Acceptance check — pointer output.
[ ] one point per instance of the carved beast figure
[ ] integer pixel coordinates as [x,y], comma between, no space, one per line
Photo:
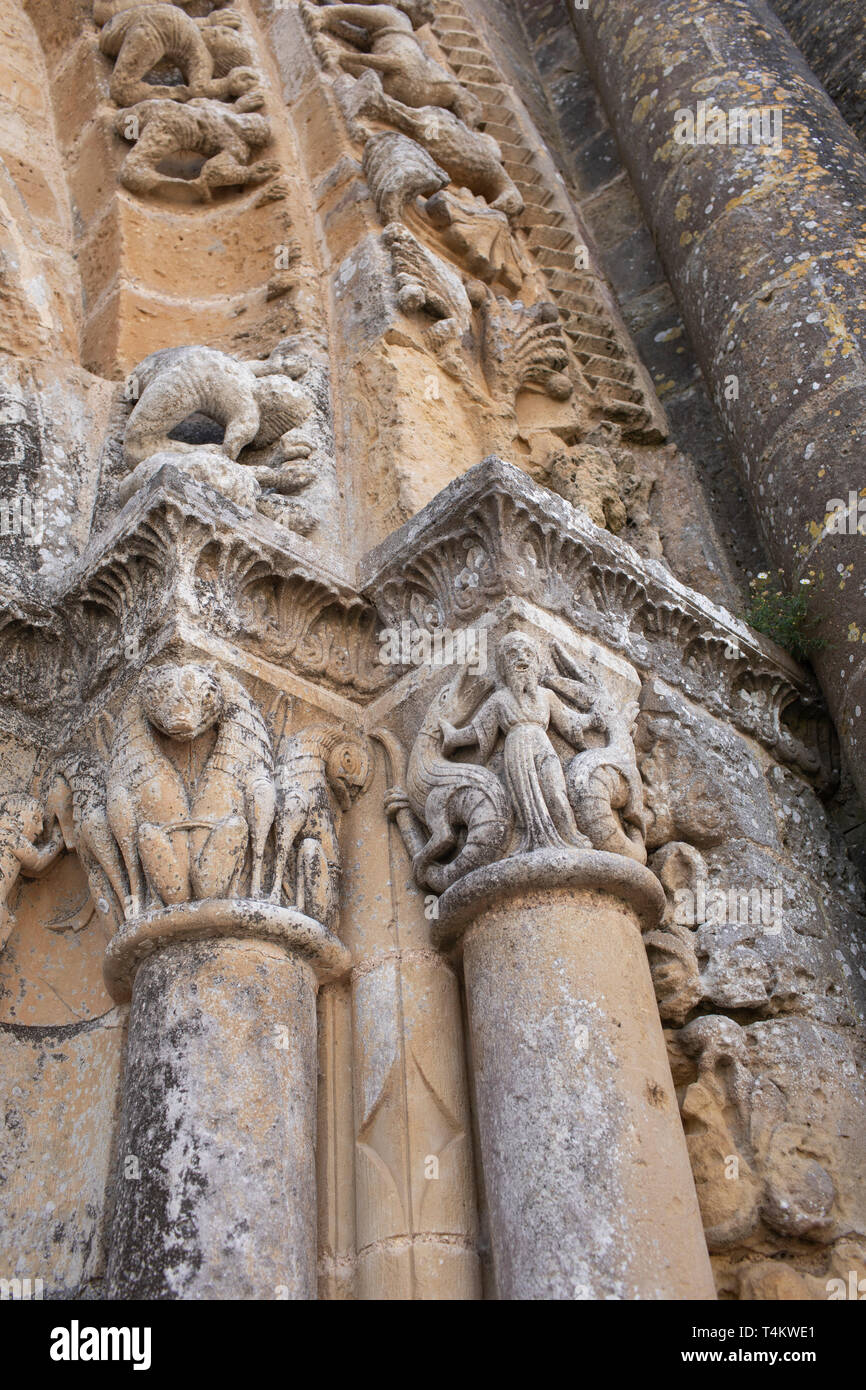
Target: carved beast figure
[76,797]
[149,35]
[187,840]
[385,43]
[446,797]
[256,402]
[164,130]
[315,766]
[471,158]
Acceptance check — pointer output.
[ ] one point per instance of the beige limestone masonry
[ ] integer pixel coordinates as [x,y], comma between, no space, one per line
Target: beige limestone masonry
[415,882]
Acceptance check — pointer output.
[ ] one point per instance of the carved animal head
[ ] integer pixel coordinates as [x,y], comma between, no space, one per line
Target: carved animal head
[457,701]
[282,405]
[418,11]
[26,811]
[182,701]
[347,767]
[342,755]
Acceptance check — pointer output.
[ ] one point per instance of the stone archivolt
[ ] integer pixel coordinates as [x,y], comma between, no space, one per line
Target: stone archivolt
[207,115]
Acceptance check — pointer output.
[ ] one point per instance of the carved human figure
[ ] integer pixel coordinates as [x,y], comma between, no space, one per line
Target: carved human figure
[385,42]
[315,767]
[188,837]
[522,710]
[21,824]
[142,38]
[163,130]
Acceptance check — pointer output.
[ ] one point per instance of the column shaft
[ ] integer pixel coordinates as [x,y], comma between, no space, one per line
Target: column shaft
[763,244]
[216,1175]
[588,1182]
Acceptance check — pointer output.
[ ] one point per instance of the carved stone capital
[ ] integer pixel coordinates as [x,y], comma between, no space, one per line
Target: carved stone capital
[494,533]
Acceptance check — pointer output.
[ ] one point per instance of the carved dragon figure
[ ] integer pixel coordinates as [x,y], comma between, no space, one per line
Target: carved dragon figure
[446,796]
[603,781]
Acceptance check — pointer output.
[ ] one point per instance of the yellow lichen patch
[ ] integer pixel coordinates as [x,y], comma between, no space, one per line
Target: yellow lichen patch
[683,207]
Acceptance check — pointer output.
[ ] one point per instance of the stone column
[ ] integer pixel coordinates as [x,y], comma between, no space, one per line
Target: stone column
[215,1191]
[763,245]
[589,1188]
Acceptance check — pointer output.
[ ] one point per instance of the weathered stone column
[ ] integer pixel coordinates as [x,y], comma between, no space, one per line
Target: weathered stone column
[215,1167]
[589,1188]
[763,244]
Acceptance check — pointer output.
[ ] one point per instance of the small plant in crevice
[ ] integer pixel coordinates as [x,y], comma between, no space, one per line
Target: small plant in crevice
[784,614]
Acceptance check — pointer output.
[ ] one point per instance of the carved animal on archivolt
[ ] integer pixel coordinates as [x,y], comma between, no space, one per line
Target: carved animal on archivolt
[256,402]
[150,35]
[188,840]
[471,158]
[443,797]
[386,43]
[164,130]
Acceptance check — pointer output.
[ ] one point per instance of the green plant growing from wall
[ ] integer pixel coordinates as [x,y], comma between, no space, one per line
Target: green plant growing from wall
[784,614]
